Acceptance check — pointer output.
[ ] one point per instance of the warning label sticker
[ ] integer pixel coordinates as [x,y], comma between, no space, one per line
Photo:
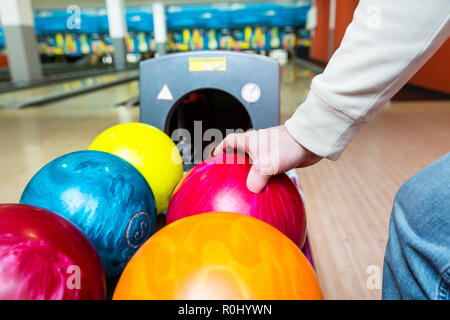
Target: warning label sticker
[165,93]
[208,64]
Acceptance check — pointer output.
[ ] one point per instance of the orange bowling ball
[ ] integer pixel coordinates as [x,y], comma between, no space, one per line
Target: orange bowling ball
[218,256]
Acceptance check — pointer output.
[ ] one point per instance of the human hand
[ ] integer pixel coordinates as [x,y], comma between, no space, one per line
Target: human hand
[271,150]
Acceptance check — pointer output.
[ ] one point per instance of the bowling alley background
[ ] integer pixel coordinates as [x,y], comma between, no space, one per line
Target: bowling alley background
[229,26]
[86,180]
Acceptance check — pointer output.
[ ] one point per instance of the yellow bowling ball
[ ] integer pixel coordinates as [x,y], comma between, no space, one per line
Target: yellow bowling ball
[148,149]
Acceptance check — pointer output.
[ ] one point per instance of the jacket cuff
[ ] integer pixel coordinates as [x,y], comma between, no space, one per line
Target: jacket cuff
[322,129]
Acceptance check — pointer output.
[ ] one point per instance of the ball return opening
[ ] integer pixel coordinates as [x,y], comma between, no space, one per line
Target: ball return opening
[202,90]
[199,112]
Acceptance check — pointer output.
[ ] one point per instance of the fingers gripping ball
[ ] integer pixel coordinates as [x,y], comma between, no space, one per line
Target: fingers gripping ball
[218,256]
[104,196]
[151,151]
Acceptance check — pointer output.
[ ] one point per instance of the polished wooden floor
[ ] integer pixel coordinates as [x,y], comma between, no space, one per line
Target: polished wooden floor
[348,202]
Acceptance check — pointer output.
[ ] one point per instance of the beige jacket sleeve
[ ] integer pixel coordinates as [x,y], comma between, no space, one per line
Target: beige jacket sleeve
[386,43]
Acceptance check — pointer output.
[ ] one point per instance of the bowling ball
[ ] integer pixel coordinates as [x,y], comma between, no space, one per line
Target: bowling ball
[219,184]
[151,151]
[218,256]
[104,196]
[44,256]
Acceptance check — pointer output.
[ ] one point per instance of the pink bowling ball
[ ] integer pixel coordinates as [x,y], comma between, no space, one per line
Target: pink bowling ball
[44,256]
[219,185]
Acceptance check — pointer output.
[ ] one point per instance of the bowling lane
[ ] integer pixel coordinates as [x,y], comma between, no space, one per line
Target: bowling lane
[32,137]
[13,97]
[348,202]
[295,83]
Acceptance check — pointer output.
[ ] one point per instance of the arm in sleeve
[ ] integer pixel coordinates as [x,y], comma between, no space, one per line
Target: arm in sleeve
[385,44]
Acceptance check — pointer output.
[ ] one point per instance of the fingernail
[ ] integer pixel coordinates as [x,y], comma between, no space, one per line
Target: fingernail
[254,190]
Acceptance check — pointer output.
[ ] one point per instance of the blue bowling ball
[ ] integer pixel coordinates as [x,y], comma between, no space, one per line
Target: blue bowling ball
[104,196]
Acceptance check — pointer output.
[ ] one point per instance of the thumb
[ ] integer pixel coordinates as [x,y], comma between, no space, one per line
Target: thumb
[256,182]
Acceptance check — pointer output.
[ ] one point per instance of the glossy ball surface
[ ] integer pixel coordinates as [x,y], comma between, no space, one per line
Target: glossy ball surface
[219,184]
[44,256]
[148,149]
[104,196]
[218,256]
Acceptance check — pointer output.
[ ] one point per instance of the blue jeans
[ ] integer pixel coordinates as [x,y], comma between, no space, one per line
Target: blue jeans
[417,260]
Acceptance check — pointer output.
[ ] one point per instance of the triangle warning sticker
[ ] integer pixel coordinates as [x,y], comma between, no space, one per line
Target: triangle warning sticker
[165,93]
